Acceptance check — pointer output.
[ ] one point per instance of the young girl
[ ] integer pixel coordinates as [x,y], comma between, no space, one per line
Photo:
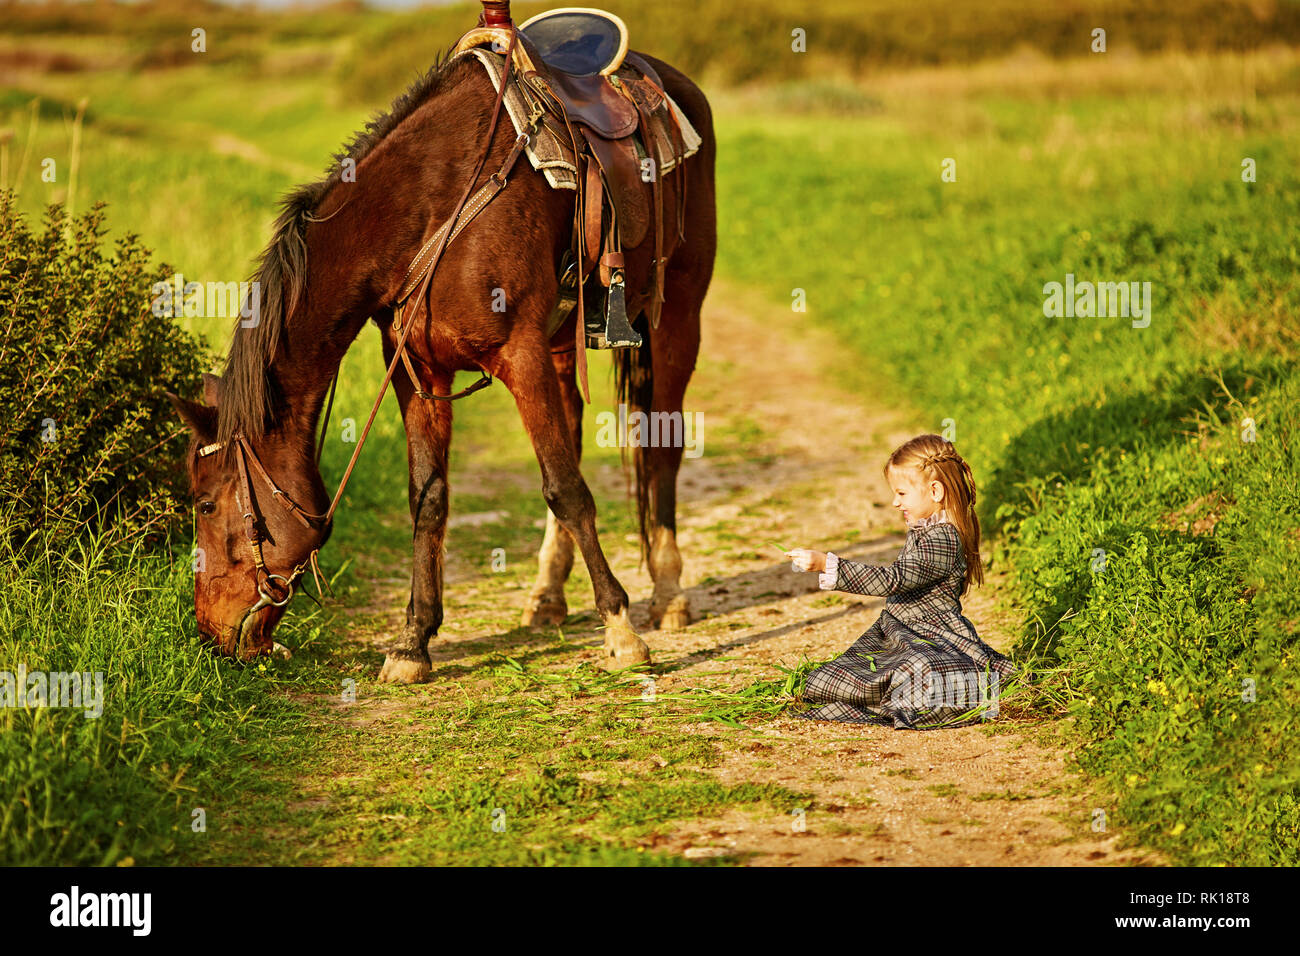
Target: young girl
[921,665]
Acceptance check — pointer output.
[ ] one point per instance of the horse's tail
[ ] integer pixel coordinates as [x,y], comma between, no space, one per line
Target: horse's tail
[634,383]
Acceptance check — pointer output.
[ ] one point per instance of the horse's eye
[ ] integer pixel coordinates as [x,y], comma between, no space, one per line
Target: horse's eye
[207,507]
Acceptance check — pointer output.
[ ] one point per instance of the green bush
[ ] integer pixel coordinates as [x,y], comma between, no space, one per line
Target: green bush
[85,430]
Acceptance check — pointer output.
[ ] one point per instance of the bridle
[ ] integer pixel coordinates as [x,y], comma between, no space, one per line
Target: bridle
[248,508]
[415,286]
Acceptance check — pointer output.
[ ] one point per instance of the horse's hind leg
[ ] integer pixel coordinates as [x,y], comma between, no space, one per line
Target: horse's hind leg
[547,604]
[428,435]
[673,348]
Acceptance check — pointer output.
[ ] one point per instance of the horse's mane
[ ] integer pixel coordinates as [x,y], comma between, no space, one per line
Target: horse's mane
[250,395]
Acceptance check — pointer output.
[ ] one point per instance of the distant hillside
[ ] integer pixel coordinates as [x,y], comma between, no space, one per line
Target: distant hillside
[719,41]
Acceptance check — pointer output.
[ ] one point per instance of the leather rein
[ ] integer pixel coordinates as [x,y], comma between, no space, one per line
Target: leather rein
[274,589]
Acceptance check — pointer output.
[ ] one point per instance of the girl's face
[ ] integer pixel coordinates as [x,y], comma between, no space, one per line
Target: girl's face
[915,498]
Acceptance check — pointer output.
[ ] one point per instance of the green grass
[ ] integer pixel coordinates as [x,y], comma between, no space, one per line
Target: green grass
[585,769]
[567,772]
[178,727]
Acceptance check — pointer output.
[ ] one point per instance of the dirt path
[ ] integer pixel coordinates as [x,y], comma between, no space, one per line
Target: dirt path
[975,795]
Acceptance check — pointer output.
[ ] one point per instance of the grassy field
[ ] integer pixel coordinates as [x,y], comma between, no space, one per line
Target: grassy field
[1095,439]
[1150,529]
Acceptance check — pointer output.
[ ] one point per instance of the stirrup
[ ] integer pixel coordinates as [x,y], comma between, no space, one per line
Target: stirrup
[566,299]
[613,330]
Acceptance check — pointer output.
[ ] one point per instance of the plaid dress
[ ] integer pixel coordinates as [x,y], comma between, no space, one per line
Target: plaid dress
[921,665]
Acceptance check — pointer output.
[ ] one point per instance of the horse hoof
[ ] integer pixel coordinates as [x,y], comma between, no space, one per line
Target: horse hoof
[674,616]
[403,670]
[545,612]
[282,652]
[624,649]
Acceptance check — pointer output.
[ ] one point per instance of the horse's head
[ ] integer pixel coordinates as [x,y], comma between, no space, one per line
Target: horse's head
[257,527]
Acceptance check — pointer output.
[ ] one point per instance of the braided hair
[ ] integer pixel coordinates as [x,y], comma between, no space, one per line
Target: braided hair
[936,459]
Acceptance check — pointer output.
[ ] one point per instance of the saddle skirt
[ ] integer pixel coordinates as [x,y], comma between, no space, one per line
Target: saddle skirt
[673,138]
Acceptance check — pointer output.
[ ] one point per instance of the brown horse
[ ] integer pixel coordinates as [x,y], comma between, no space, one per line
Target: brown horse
[338,258]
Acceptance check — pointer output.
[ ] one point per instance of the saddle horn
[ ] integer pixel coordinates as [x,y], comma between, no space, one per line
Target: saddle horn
[496,13]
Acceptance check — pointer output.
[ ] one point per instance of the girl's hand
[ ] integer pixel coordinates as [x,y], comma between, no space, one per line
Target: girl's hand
[807,560]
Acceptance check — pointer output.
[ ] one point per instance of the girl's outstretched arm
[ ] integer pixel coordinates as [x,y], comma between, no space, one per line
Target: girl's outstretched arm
[936,552]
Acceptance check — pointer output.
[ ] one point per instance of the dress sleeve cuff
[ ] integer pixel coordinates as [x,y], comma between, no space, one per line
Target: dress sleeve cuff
[826,580]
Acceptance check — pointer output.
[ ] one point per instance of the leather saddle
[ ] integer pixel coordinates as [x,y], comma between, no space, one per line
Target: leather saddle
[607,108]
[578,41]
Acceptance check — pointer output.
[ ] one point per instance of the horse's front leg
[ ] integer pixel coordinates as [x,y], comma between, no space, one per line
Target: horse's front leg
[428,437]
[525,367]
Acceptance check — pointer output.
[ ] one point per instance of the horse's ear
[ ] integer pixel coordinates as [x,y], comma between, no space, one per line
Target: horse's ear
[202,419]
[211,389]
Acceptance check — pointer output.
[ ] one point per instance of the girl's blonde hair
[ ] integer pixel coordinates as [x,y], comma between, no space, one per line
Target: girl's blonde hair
[937,460]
